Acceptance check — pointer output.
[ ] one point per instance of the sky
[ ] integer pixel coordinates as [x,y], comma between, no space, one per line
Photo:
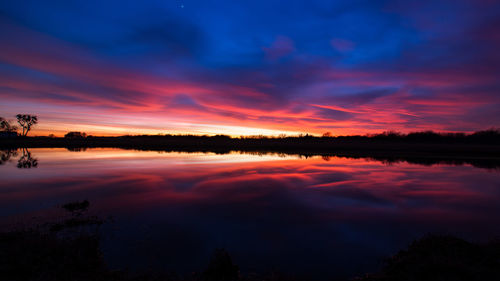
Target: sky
[251,67]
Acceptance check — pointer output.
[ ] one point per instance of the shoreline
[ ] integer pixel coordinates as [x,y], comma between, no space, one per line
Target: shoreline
[297,145]
[424,153]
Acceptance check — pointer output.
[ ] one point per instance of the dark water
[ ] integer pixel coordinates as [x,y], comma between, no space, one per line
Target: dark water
[329,217]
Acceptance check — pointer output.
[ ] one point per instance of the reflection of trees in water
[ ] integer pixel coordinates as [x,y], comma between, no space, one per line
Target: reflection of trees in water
[493,163]
[76,149]
[27,161]
[5,155]
[390,160]
[263,153]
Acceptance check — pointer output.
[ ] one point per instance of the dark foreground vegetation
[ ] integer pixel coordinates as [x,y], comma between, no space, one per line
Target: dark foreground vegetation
[437,257]
[69,250]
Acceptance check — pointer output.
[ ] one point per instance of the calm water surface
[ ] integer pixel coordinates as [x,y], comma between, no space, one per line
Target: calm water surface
[332,217]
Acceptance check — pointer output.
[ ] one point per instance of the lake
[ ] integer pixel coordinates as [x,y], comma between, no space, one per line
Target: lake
[333,217]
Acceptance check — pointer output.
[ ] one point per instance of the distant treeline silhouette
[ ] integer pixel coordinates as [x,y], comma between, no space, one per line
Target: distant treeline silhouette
[485,136]
[484,144]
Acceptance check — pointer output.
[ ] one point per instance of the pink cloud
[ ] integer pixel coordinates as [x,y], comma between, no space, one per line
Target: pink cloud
[87,85]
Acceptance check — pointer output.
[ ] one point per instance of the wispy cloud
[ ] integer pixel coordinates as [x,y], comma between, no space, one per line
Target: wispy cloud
[153,68]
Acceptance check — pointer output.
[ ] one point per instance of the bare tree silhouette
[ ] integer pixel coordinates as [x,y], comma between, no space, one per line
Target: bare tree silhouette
[26,121]
[5,126]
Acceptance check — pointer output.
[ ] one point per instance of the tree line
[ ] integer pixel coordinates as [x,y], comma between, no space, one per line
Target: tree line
[27,121]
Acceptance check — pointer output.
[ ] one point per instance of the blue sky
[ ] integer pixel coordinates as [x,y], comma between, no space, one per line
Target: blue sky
[259,66]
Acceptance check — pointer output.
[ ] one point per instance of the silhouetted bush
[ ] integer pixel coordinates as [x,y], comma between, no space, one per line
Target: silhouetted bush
[221,267]
[437,258]
[75,135]
[76,206]
[48,252]
[327,135]
[32,255]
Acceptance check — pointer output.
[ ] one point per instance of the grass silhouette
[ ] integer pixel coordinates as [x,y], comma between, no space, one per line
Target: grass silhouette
[69,250]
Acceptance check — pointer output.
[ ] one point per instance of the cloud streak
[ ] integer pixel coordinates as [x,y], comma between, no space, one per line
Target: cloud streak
[167,72]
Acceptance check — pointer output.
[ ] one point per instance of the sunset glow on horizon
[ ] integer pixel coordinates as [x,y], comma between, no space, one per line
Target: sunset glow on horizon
[259,68]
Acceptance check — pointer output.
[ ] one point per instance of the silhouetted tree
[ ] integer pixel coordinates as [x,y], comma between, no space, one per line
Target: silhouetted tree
[75,135]
[5,126]
[26,121]
[327,135]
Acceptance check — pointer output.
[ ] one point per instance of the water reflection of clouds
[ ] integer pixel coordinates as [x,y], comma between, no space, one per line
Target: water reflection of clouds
[178,177]
[268,209]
